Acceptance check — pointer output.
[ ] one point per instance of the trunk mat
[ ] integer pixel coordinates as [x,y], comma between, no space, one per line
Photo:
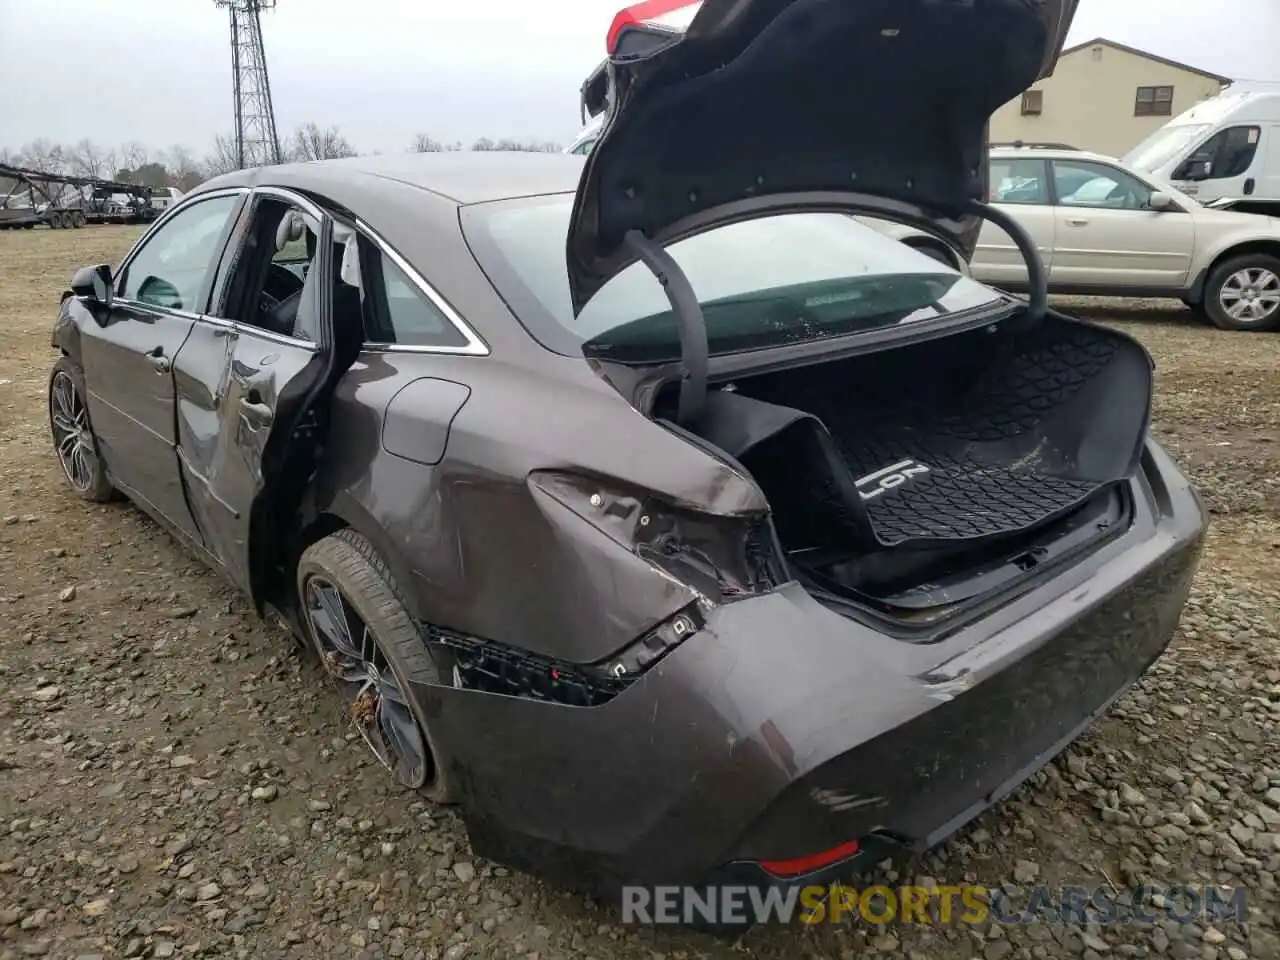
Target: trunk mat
[957,440]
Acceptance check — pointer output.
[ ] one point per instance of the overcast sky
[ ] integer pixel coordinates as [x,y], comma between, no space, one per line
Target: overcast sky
[159,71]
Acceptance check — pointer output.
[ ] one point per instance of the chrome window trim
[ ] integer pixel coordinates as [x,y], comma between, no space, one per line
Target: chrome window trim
[292,196]
[248,329]
[372,347]
[474,347]
[156,308]
[221,323]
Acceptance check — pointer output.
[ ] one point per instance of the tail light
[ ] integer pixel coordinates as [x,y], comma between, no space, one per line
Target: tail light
[664,18]
[720,558]
[799,866]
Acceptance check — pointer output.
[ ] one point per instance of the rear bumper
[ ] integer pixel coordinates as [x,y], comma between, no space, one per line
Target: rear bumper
[782,729]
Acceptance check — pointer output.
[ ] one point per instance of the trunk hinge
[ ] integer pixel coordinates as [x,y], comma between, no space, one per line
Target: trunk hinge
[1037,279]
[695,354]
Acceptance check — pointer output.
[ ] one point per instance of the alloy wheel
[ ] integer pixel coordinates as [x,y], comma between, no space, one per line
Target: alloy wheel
[71,434]
[376,703]
[1250,296]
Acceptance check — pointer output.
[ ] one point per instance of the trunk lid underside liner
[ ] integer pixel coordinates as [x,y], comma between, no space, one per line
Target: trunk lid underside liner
[945,442]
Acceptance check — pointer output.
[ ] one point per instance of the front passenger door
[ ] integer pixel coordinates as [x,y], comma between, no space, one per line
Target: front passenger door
[1225,165]
[1108,235]
[161,290]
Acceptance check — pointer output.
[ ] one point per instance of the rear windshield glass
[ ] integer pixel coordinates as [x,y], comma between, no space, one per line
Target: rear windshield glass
[776,280]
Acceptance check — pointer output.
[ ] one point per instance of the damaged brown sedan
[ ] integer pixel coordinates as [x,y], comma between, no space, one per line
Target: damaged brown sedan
[653,509]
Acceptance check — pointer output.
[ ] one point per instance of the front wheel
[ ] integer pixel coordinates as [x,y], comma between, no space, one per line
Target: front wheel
[1243,293]
[372,649]
[73,439]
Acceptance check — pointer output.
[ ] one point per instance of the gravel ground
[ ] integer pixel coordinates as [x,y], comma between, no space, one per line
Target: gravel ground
[175,779]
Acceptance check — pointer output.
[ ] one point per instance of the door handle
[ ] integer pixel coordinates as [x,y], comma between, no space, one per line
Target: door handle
[159,360]
[256,410]
[1078,221]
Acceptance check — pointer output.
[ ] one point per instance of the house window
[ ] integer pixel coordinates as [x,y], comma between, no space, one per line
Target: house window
[1154,102]
[1033,103]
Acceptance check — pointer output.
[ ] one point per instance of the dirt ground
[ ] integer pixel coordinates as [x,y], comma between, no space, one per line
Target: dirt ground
[176,781]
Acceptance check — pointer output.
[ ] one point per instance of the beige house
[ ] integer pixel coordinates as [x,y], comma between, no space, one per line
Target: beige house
[1104,97]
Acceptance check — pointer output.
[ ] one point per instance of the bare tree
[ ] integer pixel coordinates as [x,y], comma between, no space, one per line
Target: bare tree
[134,155]
[223,158]
[43,155]
[9,157]
[425,144]
[511,144]
[183,168]
[311,142]
[87,159]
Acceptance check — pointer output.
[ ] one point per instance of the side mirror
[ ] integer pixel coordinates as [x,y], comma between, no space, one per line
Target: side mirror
[93,283]
[161,293]
[1162,202]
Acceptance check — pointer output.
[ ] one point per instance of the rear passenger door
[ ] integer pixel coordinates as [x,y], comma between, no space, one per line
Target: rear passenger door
[1020,188]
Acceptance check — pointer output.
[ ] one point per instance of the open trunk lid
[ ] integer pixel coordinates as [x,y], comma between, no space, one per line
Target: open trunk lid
[732,109]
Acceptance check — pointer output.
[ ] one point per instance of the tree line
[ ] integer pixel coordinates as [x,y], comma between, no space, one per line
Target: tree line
[179,167]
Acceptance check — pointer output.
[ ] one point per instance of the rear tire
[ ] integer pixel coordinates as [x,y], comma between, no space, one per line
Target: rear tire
[346,563]
[78,219]
[1243,293]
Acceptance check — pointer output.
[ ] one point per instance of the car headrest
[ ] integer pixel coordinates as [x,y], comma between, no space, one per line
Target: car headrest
[290,228]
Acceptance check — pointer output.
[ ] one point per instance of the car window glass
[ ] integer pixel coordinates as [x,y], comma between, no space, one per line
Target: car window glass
[1080,183]
[170,270]
[404,315]
[1230,152]
[780,279]
[1016,180]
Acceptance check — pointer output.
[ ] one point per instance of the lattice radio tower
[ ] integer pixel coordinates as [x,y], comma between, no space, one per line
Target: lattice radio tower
[257,144]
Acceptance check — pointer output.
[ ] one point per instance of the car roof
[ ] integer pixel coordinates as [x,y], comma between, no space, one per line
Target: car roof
[462,177]
[1051,153]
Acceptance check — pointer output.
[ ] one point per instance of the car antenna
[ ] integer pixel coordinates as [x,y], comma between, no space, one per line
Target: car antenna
[694,351]
[1037,279]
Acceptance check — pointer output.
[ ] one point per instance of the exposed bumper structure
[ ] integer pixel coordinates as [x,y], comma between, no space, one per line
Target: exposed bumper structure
[783,729]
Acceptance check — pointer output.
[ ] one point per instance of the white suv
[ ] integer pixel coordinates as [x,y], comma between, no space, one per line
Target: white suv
[1104,228]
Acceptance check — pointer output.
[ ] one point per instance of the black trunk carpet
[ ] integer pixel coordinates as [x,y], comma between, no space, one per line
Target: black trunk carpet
[974,436]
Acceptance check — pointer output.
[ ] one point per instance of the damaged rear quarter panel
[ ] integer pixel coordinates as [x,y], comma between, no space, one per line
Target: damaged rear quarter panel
[473,546]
